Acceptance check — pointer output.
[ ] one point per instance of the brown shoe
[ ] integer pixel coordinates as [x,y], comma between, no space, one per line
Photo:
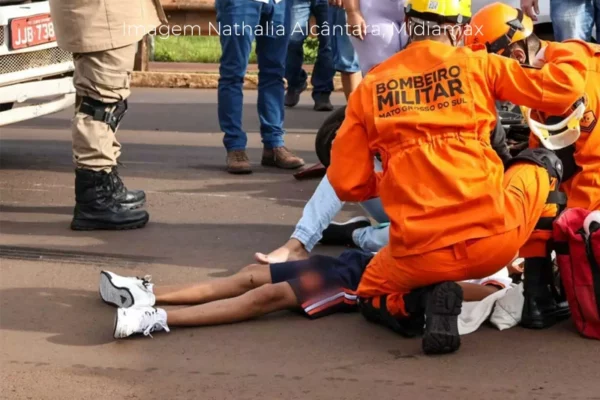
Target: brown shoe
[238,162]
[281,157]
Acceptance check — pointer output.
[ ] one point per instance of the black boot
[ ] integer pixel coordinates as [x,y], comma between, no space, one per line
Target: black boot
[292,96]
[322,102]
[541,309]
[444,304]
[560,296]
[409,326]
[131,199]
[96,207]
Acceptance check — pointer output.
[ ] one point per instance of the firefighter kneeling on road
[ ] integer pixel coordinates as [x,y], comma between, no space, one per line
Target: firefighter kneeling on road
[455,213]
[575,137]
[102,35]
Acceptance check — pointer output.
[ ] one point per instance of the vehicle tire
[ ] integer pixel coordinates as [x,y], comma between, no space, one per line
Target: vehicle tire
[327,133]
[517,133]
[6,106]
[544,31]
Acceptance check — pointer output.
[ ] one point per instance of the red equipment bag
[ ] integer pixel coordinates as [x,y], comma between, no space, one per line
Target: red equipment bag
[577,245]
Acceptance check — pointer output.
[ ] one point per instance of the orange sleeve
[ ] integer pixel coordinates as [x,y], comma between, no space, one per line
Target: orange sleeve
[351,171]
[552,89]
[534,142]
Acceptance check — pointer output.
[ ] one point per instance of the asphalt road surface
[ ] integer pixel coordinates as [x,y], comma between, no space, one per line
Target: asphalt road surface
[56,334]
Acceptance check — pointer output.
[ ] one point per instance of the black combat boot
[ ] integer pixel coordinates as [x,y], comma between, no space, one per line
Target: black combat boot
[96,207]
[130,199]
[541,309]
[409,326]
[444,304]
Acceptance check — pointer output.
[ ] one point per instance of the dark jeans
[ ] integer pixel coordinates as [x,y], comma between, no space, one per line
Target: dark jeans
[575,19]
[323,72]
[237,20]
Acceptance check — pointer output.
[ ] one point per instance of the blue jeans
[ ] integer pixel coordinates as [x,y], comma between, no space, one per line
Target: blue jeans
[237,19]
[575,19]
[324,205]
[323,71]
[345,58]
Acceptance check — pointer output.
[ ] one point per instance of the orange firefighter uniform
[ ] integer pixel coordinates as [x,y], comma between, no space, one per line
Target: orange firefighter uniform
[500,28]
[583,188]
[428,111]
[581,161]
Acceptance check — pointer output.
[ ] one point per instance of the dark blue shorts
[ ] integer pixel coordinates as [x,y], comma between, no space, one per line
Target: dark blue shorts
[324,285]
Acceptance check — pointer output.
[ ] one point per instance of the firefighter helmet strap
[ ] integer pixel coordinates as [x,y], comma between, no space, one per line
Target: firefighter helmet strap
[501,45]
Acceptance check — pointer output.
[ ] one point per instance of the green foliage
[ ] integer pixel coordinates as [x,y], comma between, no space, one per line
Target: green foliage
[207,49]
[200,49]
[311,49]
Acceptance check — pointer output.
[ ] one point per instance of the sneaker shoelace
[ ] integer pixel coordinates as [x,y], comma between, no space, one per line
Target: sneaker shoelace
[145,280]
[117,181]
[105,182]
[150,319]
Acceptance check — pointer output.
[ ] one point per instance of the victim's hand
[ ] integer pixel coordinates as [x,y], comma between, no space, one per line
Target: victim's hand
[336,3]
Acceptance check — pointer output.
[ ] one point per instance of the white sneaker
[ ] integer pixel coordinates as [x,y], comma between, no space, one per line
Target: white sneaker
[126,292]
[144,320]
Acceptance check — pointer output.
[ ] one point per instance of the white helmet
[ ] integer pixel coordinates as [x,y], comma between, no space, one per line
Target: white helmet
[559,135]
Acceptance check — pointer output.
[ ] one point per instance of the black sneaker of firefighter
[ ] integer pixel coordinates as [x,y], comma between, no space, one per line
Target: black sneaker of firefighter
[340,233]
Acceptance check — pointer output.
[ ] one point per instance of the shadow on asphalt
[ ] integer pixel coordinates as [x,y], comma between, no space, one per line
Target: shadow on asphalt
[189,245]
[189,117]
[286,194]
[58,210]
[72,317]
[140,160]
[170,163]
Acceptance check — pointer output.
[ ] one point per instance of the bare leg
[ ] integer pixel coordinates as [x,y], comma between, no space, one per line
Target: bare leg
[476,292]
[293,250]
[248,278]
[260,301]
[350,81]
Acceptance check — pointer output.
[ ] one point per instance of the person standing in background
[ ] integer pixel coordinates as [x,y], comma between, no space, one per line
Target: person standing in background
[103,37]
[377,28]
[271,50]
[571,19]
[323,71]
[345,59]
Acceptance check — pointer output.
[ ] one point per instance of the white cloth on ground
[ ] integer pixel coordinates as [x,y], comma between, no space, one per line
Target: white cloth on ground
[509,308]
[475,313]
[503,308]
